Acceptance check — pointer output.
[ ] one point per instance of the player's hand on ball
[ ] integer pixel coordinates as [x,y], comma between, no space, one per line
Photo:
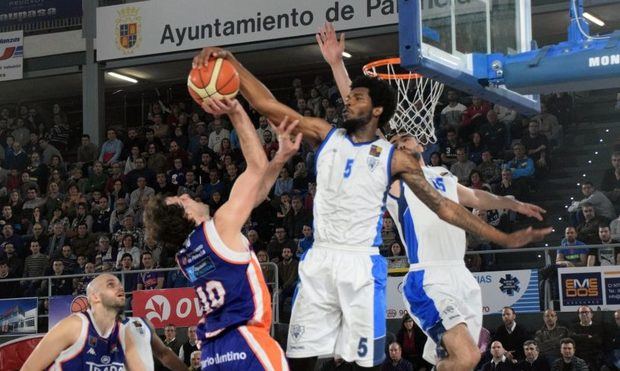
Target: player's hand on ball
[525,236]
[530,210]
[202,58]
[219,107]
[287,148]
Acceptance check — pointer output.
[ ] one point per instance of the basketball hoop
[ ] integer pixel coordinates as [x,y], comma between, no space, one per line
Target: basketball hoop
[417,98]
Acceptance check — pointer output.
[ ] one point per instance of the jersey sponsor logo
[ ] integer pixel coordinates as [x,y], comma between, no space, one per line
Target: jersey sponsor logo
[105,367]
[375,151]
[372,162]
[223,358]
[297,331]
[105,360]
[138,326]
[92,352]
[159,308]
[92,341]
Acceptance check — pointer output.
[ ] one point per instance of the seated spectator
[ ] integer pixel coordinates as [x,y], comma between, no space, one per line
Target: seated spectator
[137,197]
[284,183]
[87,152]
[131,180]
[587,231]
[473,117]
[127,247]
[571,257]
[412,340]
[475,148]
[601,204]
[521,166]
[475,181]
[533,360]
[8,289]
[494,134]
[397,257]
[163,187]
[462,167]
[509,188]
[549,125]
[278,243]
[610,185]
[15,263]
[128,226]
[31,202]
[451,114]
[60,285]
[156,161]
[500,361]
[48,151]
[288,275]
[149,280]
[81,283]
[588,338]
[191,187]
[83,243]
[537,147]
[568,360]
[511,335]
[35,265]
[604,255]
[126,266]
[69,260]
[612,344]
[304,244]
[216,136]
[176,175]
[111,149]
[389,235]
[395,362]
[549,336]
[300,177]
[269,272]
[296,218]
[435,159]
[263,126]
[448,150]
[97,179]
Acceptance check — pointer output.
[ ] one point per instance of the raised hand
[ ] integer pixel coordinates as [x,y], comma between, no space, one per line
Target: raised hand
[287,148]
[202,58]
[331,46]
[525,236]
[530,210]
[219,107]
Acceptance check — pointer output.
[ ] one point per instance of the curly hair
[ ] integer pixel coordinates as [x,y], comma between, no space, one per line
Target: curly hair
[167,224]
[381,94]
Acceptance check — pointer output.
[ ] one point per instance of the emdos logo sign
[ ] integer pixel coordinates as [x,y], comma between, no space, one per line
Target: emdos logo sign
[582,289]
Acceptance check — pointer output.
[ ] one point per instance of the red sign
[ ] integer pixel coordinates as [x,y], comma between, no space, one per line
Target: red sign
[179,307]
[13,354]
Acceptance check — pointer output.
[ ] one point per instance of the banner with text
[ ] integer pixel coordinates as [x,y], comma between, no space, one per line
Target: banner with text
[162,26]
[179,307]
[25,13]
[593,286]
[517,289]
[11,55]
[18,316]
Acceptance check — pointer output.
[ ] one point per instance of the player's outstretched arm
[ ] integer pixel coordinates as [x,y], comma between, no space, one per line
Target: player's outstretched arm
[314,129]
[164,354]
[287,148]
[479,199]
[248,139]
[331,48]
[408,168]
[60,337]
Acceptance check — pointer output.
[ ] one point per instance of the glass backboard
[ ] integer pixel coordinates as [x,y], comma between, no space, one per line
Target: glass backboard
[449,40]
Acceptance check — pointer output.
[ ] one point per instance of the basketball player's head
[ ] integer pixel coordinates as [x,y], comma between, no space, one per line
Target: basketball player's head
[107,291]
[170,219]
[407,142]
[371,102]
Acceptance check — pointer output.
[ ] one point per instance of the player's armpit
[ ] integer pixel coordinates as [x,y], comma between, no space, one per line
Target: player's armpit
[60,337]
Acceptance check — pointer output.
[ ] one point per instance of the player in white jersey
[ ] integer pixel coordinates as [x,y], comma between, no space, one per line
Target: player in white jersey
[340,305]
[148,344]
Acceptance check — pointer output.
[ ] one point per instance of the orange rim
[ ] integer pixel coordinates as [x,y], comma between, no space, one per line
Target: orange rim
[368,70]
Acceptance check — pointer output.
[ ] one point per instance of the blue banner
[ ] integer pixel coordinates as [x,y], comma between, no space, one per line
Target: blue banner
[14,12]
[61,307]
[18,316]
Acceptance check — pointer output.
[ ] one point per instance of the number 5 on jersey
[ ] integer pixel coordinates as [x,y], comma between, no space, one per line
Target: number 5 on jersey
[348,167]
[439,184]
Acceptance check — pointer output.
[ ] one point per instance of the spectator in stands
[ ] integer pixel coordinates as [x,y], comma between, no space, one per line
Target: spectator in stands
[475,148]
[533,360]
[38,234]
[32,201]
[9,236]
[60,285]
[83,243]
[130,162]
[111,149]
[190,346]
[571,257]
[494,134]
[537,146]
[296,218]
[97,179]
[163,187]
[263,126]
[39,173]
[17,158]
[117,215]
[448,150]
[451,115]
[150,280]
[131,141]
[288,274]
[473,117]
[87,152]
[612,344]
[81,283]
[411,340]
[500,361]
[587,231]
[128,226]
[35,265]
[127,247]
[395,362]
[462,167]
[214,185]
[475,181]
[509,188]
[131,180]
[126,266]
[137,198]
[511,335]
[101,216]
[521,166]
[284,183]
[8,289]
[59,132]
[588,338]
[604,255]
[170,338]
[610,185]
[397,257]
[598,200]
[69,260]
[568,360]
[156,161]
[389,235]
[549,125]
[549,336]
[305,243]
[219,133]
[15,263]
[278,243]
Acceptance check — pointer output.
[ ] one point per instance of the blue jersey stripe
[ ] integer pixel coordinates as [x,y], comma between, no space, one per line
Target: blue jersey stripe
[379,274]
[318,150]
[420,304]
[408,227]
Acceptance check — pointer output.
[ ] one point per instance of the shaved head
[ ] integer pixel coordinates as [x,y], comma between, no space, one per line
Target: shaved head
[106,290]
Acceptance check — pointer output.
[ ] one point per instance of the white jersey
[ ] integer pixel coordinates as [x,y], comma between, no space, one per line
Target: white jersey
[427,238]
[142,336]
[352,184]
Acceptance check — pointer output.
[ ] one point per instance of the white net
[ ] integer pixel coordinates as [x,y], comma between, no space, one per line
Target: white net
[417,99]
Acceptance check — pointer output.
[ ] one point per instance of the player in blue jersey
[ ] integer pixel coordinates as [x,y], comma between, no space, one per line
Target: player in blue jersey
[92,340]
[440,292]
[340,305]
[216,258]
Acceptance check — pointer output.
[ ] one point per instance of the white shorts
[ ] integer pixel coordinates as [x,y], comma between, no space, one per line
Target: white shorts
[441,297]
[339,307]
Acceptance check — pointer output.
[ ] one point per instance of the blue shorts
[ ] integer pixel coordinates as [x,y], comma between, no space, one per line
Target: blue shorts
[243,348]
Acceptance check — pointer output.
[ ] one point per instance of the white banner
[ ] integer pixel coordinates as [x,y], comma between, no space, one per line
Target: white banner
[517,289]
[163,26]
[11,55]
[597,287]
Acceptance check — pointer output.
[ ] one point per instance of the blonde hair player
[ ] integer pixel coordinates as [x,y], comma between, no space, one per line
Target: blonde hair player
[441,294]
[91,340]
[340,302]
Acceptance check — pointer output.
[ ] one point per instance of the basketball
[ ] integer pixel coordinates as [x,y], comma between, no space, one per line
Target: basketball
[79,304]
[219,79]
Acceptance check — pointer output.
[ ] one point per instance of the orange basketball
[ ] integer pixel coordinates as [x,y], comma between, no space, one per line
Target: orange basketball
[219,79]
[79,304]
